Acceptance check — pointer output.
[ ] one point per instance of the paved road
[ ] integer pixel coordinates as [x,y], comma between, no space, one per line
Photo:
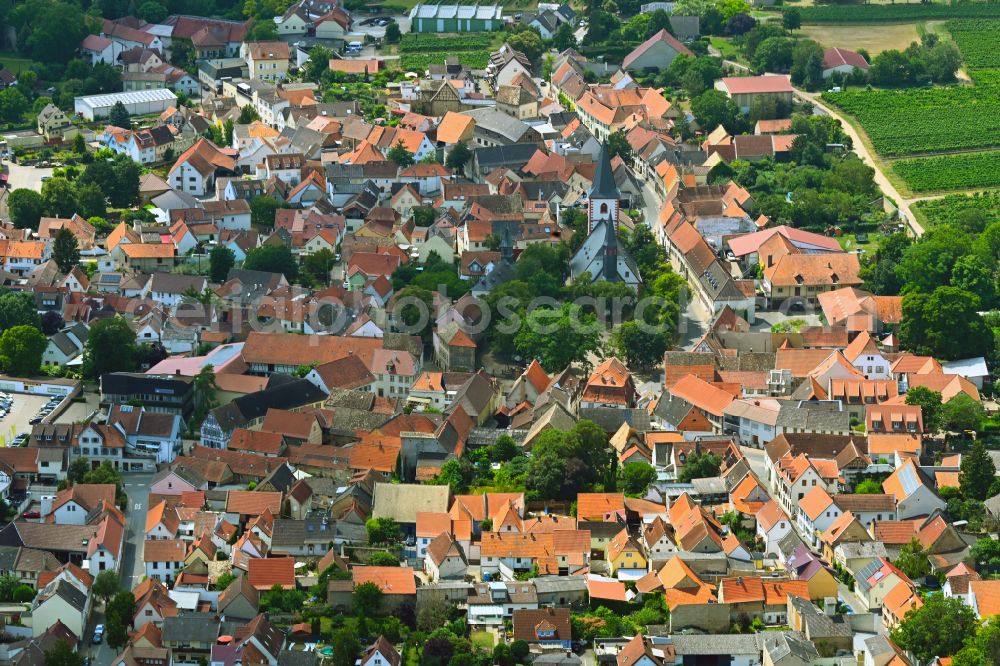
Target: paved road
[132,569]
[868,158]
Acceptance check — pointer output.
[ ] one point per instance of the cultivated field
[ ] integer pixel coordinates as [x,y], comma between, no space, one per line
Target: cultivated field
[872,38]
[961,171]
[948,209]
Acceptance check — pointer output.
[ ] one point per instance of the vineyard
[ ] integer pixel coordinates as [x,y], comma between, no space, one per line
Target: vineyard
[417,52]
[924,120]
[950,172]
[977,40]
[897,13]
[418,62]
[948,210]
[417,43]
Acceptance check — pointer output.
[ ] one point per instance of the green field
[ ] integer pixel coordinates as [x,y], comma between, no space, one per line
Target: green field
[961,171]
[948,209]
[897,13]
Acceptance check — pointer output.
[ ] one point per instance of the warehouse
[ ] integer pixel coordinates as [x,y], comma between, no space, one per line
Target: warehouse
[456,18]
[137,103]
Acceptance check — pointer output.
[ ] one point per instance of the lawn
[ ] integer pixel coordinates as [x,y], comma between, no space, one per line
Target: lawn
[725,47]
[483,639]
[14,62]
[850,242]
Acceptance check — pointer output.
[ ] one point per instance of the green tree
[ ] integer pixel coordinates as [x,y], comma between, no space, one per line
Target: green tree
[107,585]
[529,43]
[59,197]
[400,155]
[13,105]
[962,413]
[78,469]
[458,157]
[558,338]
[220,260]
[17,308]
[977,470]
[366,599]
[21,349]
[65,250]
[62,654]
[91,200]
[619,146]
[983,648]
[110,347]
[700,466]
[939,628]
[713,108]
[451,475]
[318,265]
[383,531]
[945,324]
[262,211]
[248,114]
[635,478]
[224,581]
[913,560]
[119,614]
[974,274]
[393,33]
[930,406]
[504,449]
[105,473]
[272,259]
[26,208]
[346,647]
[206,390]
[564,38]
[640,347]
[152,11]
[791,18]
[868,487]
[880,274]
[119,116]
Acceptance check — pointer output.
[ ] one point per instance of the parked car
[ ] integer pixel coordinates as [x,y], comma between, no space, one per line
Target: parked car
[98,634]
[31,514]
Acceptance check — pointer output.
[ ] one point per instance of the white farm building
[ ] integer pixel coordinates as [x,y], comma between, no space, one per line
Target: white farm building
[137,103]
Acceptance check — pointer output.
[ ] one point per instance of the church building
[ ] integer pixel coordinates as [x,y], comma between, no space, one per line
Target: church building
[602,253]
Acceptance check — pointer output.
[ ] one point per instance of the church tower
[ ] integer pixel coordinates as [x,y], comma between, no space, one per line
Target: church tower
[506,246]
[604,195]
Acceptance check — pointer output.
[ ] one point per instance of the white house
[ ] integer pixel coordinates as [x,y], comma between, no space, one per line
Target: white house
[164,558]
[169,288]
[60,601]
[71,506]
[865,356]
[773,525]
[912,491]
[816,512]
[65,345]
[445,559]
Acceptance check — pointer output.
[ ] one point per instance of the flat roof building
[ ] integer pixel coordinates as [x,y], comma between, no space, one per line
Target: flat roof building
[137,103]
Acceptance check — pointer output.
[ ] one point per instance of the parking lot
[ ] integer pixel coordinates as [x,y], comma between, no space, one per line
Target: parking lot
[26,177]
[16,422]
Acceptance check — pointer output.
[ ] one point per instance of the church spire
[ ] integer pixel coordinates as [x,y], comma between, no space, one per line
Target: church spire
[506,246]
[604,196]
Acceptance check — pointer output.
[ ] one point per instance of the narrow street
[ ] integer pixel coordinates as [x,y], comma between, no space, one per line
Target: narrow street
[695,320]
[131,567]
